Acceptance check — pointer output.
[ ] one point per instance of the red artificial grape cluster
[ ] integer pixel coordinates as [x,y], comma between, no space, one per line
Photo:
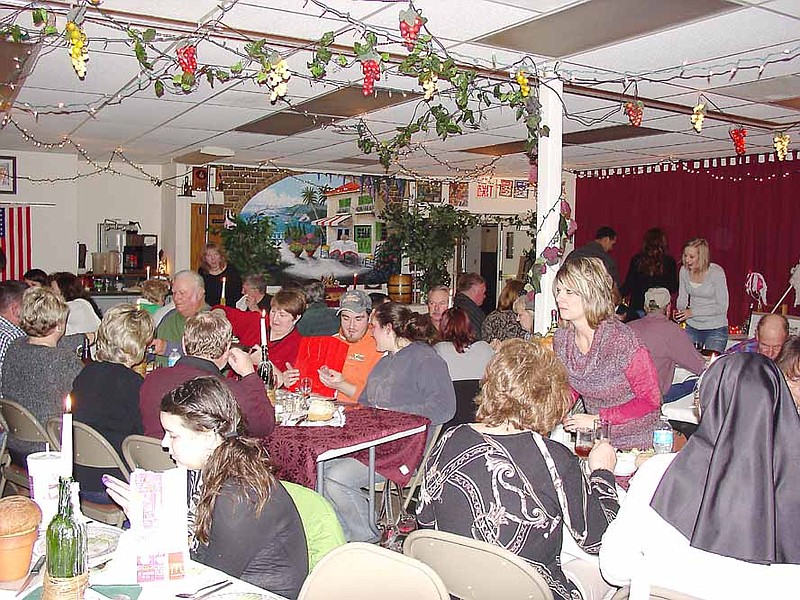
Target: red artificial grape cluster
[635,111]
[372,73]
[187,59]
[738,135]
[410,32]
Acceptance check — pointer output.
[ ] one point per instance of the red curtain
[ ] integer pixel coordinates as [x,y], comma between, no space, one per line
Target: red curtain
[749,224]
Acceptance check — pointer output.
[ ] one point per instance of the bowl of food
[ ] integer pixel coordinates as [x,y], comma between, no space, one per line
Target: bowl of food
[321,410]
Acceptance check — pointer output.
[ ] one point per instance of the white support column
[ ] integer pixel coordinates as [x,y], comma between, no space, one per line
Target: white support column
[550,160]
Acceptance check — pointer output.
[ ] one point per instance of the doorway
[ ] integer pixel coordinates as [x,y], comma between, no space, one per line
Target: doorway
[216,219]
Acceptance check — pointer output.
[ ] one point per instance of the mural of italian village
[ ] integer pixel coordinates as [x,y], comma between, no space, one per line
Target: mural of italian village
[318,226]
[336,228]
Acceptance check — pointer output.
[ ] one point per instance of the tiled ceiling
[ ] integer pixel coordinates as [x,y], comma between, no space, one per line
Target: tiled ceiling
[657,50]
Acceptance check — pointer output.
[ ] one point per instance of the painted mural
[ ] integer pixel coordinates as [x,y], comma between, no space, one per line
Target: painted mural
[327,226]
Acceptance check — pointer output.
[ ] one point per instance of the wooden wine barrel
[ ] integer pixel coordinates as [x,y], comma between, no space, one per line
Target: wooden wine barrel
[400,288]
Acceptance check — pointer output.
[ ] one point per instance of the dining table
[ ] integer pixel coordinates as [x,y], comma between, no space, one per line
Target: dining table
[112,577]
[389,442]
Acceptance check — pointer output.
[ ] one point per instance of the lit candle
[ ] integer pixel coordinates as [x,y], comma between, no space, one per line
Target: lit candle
[355,280]
[263,327]
[222,296]
[148,271]
[66,438]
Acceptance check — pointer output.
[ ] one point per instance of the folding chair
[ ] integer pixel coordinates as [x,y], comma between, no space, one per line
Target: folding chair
[472,569]
[358,571]
[25,427]
[92,450]
[143,452]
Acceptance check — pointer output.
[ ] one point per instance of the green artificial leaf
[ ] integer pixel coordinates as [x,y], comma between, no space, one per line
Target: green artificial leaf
[341,60]
[39,16]
[544,131]
[149,34]
[317,70]
[158,87]
[222,75]
[237,68]
[177,79]
[51,30]
[371,38]
[261,77]
[327,38]
[324,55]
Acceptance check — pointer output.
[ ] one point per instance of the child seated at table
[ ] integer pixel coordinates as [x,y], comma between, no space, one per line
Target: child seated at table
[242,521]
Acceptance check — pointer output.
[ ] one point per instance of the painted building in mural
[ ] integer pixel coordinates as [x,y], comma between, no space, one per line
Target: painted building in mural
[352,225]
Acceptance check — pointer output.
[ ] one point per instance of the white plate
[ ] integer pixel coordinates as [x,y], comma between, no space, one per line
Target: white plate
[626,464]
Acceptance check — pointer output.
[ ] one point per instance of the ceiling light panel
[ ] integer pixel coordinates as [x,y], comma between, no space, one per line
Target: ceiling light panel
[599,23]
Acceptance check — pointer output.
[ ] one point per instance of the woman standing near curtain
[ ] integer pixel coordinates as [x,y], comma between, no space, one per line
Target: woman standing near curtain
[607,364]
[703,297]
[652,267]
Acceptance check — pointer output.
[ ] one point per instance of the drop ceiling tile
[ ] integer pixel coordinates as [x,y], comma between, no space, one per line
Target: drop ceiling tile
[710,40]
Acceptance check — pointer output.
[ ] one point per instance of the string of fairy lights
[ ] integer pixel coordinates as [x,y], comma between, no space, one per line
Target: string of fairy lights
[214,30]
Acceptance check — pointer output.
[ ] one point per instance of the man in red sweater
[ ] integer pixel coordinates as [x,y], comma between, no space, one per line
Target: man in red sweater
[207,349]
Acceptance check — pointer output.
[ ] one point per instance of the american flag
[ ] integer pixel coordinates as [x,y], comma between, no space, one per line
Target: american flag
[15,240]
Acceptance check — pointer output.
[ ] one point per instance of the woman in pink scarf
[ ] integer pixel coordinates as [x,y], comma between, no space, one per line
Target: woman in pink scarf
[608,366]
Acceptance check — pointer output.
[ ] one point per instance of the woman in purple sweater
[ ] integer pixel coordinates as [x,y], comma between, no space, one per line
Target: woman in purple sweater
[607,364]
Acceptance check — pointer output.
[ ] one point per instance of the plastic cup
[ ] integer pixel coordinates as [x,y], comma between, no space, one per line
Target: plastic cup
[44,469]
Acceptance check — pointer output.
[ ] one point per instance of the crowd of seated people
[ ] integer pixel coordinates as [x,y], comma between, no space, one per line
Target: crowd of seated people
[493,475]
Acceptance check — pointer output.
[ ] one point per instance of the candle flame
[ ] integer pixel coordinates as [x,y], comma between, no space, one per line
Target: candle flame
[68,403]
[263,313]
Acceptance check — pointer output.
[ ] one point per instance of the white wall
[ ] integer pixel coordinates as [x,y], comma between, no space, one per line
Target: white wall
[79,204]
[124,197]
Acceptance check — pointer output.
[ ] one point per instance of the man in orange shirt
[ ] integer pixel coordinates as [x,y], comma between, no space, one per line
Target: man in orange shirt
[362,354]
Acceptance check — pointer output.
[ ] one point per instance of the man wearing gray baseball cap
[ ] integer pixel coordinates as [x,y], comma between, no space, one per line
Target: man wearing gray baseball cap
[362,354]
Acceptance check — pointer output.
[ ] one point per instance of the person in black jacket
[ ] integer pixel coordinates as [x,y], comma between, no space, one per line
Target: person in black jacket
[653,267]
[106,392]
[470,294]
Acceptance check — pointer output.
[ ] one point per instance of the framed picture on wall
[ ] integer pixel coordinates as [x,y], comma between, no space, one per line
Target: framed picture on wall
[8,174]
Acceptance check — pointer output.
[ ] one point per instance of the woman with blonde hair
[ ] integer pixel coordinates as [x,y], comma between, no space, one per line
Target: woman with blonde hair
[242,520]
[502,481]
[214,267]
[703,297]
[106,392]
[608,365]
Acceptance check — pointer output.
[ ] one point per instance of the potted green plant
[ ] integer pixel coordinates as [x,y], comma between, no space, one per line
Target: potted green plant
[250,244]
[428,236]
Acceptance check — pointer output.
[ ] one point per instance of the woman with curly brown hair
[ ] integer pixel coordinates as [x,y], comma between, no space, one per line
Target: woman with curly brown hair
[242,520]
[84,314]
[502,481]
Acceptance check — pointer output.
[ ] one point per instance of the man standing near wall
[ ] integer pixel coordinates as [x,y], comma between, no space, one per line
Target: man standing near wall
[470,294]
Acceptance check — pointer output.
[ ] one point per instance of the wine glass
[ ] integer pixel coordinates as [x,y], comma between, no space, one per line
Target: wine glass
[305,391]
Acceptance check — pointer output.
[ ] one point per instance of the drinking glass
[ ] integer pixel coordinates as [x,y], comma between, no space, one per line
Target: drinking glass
[602,430]
[584,440]
[305,391]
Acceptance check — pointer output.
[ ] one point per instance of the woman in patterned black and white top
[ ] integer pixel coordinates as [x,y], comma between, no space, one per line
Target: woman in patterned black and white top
[497,480]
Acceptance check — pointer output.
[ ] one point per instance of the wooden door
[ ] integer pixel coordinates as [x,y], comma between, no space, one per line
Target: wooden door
[215,221]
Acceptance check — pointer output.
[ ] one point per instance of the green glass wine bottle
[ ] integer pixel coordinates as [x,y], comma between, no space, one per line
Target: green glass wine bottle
[66,538]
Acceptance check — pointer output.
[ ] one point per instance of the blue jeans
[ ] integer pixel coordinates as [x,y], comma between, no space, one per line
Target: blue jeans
[678,390]
[712,339]
[344,478]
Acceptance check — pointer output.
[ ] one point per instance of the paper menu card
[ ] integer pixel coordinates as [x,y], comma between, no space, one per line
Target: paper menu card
[159,524]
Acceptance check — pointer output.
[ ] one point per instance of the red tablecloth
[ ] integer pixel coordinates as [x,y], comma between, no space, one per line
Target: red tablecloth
[294,450]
